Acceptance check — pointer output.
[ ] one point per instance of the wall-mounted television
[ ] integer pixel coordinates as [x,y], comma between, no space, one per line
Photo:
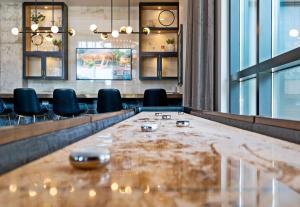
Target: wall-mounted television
[104,64]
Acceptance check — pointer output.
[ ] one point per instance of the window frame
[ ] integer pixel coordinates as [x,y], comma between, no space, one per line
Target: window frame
[263,71]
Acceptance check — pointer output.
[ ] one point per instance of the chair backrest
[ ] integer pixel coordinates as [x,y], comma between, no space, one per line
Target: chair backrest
[109,100]
[2,106]
[65,103]
[26,102]
[155,97]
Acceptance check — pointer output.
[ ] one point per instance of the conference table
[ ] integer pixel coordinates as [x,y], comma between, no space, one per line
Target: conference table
[205,164]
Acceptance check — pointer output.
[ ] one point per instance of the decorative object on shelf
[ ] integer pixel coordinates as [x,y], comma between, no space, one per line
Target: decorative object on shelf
[37,39]
[166,18]
[57,43]
[37,18]
[116,33]
[49,37]
[171,45]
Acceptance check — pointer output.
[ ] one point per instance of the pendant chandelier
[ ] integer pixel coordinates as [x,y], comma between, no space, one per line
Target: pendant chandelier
[128,29]
[35,26]
[123,30]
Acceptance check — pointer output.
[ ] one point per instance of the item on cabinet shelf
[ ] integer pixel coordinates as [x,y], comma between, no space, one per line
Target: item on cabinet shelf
[166,18]
[37,39]
[89,158]
[148,127]
[38,18]
[171,45]
[163,48]
[57,43]
[49,37]
[183,123]
[158,114]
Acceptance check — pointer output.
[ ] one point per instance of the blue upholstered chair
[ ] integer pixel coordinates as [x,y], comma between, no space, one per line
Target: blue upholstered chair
[155,97]
[65,103]
[109,100]
[4,111]
[26,103]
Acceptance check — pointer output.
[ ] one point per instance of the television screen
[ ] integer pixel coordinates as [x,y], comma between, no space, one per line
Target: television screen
[104,64]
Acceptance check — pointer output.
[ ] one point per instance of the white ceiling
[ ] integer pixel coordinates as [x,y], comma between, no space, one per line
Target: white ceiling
[101,2]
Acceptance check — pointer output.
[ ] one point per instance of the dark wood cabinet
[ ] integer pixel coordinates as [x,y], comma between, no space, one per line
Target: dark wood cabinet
[159,50]
[45,55]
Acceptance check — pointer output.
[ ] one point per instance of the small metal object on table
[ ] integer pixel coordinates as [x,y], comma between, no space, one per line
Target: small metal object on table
[89,158]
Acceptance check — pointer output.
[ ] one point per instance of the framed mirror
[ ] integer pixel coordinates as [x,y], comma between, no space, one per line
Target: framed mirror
[166,18]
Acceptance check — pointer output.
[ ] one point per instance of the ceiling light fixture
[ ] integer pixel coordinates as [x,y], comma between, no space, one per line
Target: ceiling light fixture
[123,30]
[34,28]
[35,25]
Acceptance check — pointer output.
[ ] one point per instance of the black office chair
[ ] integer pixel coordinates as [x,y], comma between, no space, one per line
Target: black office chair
[26,103]
[155,97]
[109,100]
[65,103]
[4,111]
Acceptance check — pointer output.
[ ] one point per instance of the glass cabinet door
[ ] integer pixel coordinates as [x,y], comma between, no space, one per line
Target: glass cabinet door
[33,67]
[169,67]
[54,67]
[149,67]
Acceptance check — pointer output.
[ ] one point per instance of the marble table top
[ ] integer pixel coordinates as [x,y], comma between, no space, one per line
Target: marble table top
[206,164]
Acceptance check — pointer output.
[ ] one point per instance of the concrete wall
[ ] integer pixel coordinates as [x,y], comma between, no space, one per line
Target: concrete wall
[79,18]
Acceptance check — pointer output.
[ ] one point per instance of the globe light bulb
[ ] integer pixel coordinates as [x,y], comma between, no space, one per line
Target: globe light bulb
[129,30]
[34,27]
[49,37]
[115,34]
[54,29]
[72,32]
[93,28]
[146,31]
[104,36]
[123,29]
[15,31]
[294,33]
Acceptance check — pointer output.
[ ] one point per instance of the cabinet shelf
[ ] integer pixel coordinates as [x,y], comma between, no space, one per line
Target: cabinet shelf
[43,59]
[156,63]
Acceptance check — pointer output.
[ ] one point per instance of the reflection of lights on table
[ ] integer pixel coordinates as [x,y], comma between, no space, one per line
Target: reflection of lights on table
[147,190]
[13,188]
[32,193]
[114,186]
[128,190]
[53,191]
[92,193]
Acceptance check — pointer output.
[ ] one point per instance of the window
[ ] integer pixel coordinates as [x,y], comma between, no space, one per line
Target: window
[248,97]
[265,62]
[286,97]
[286,26]
[248,33]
